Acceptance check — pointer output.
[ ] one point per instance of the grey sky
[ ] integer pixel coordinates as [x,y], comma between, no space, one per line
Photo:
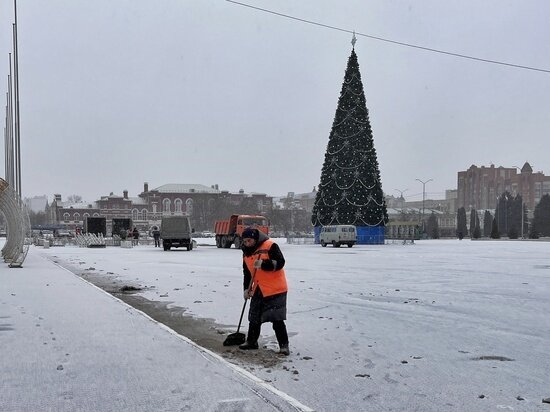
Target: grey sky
[115,93]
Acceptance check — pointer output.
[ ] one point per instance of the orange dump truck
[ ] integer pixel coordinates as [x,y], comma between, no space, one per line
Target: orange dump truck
[229,232]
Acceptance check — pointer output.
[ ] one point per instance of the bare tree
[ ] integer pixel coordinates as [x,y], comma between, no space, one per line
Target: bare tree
[74,198]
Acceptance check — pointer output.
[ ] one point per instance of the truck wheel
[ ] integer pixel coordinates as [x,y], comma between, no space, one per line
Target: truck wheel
[190,246]
[226,243]
[237,242]
[218,241]
[350,244]
[323,243]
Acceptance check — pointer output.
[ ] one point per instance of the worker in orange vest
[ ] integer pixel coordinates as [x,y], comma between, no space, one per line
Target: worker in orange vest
[264,282]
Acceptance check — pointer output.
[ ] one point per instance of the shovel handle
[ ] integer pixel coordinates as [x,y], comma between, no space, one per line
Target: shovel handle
[244,306]
[241,318]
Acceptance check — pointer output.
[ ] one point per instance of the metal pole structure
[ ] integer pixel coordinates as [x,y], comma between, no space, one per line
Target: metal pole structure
[6,137]
[6,147]
[11,171]
[9,126]
[423,199]
[16,90]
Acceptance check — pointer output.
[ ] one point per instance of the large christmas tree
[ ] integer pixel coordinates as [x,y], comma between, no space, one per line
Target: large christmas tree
[350,192]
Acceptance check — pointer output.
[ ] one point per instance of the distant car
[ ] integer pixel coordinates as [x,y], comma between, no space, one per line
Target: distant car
[47,234]
[63,233]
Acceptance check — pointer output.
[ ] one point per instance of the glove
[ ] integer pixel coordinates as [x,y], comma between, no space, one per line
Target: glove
[246,294]
[257,263]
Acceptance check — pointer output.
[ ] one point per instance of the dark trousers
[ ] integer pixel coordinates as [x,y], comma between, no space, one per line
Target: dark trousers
[279,327]
[157,242]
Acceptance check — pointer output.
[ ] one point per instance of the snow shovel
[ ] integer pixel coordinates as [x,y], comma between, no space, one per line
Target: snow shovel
[238,338]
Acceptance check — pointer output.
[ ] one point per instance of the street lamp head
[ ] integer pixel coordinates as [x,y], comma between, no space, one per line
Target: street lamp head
[401,192]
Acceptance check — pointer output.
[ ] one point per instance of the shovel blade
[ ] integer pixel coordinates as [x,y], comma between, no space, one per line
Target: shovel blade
[234,339]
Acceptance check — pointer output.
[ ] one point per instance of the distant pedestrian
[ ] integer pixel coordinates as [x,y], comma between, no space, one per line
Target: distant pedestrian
[135,237]
[265,283]
[156,236]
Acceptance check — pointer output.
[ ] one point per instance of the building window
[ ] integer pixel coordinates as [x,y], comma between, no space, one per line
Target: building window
[144,214]
[154,208]
[189,206]
[177,205]
[76,216]
[96,214]
[66,217]
[134,214]
[85,215]
[166,205]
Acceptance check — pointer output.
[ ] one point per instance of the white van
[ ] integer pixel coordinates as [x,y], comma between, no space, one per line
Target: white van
[338,235]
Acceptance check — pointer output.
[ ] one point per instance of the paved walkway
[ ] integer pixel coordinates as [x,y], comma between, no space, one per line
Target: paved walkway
[68,346]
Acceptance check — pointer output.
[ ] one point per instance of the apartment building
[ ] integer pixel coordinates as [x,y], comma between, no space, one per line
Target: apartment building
[479,187]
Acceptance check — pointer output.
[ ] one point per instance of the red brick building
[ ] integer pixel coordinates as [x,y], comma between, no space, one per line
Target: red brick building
[479,187]
[201,203]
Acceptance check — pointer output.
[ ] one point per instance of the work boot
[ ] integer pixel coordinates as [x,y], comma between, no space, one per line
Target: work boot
[249,345]
[284,350]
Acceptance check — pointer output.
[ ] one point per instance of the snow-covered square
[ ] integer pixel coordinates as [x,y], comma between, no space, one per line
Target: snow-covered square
[441,325]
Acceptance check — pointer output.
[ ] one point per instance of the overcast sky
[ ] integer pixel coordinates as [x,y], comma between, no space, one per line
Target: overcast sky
[114,93]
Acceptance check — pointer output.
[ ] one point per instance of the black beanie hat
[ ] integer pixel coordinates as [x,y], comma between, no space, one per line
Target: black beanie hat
[250,233]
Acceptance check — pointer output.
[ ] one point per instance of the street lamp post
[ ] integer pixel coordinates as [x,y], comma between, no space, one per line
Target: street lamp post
[423,199]
[522,203]
[522,218]
[401,193]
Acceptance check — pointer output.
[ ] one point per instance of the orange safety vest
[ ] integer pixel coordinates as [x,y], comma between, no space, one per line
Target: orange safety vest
[270,282]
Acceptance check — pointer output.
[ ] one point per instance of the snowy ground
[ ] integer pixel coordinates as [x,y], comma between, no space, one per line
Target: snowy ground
[435,326]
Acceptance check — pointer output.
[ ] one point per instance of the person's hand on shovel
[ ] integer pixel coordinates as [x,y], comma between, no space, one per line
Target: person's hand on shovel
[257,263]
[246,294]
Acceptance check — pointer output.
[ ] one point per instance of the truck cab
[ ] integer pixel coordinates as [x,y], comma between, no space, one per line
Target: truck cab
[228,232]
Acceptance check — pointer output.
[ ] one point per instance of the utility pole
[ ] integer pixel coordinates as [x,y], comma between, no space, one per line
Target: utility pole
[423,199]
